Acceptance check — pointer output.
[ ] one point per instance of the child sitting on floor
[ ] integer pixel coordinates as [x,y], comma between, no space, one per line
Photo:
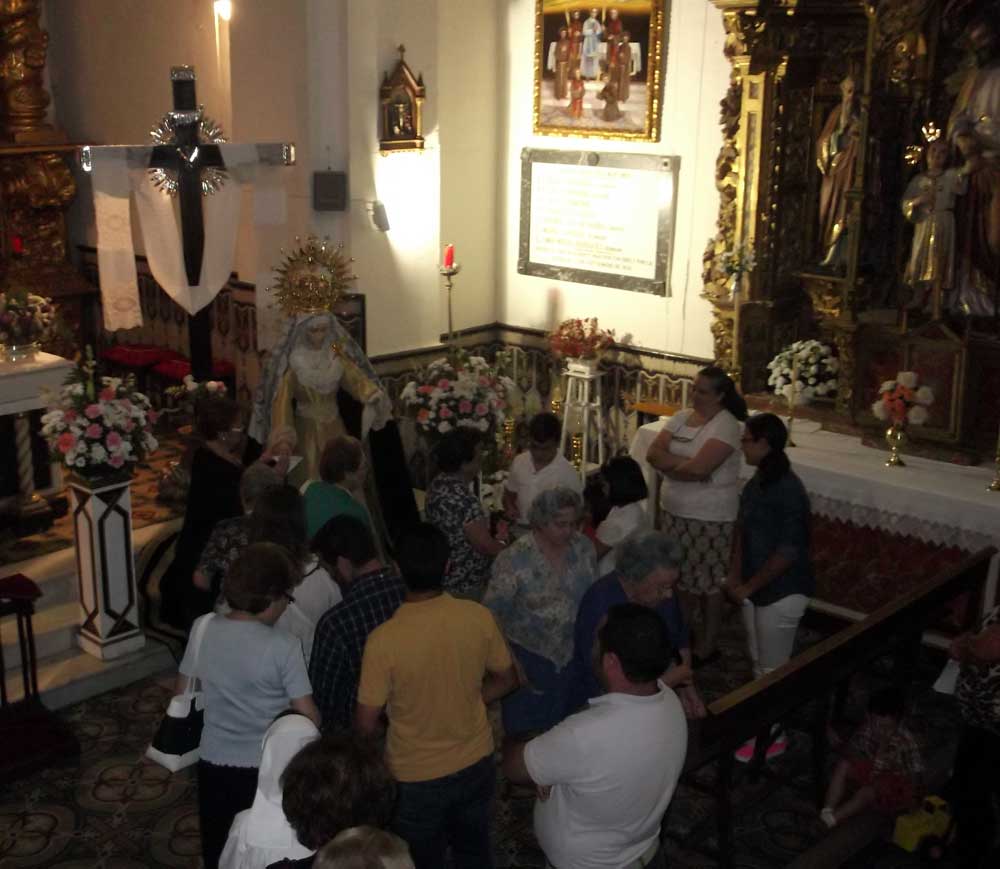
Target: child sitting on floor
[883,765]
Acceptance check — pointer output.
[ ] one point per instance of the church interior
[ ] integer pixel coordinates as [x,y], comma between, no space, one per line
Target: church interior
[384,223]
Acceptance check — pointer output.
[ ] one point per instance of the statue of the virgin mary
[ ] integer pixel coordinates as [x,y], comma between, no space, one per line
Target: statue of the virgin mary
[319,383]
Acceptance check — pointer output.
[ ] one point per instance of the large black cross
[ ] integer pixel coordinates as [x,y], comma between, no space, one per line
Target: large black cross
[187,158]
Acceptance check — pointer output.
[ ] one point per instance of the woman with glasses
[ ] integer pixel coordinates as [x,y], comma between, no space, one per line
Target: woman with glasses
[697,452]
[535,589]
[772,575]
[249,673]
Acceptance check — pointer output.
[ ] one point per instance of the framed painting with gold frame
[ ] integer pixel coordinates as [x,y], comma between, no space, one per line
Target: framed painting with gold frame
[598,68]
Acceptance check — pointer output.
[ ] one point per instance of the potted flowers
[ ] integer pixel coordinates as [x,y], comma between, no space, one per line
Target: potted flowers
[26,320]
[901,401]
[804,371]
[581,343]
[461,390]
[99,427]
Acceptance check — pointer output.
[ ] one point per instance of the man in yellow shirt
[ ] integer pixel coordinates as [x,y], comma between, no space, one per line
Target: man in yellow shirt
[433,668]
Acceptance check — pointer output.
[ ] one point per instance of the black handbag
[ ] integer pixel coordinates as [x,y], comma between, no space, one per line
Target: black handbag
[177,742]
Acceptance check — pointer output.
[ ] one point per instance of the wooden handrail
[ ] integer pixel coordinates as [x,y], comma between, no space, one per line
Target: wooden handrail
[814,670]
[813,675]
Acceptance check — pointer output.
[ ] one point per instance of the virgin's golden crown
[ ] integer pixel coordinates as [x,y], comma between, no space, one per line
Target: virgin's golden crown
[312,278]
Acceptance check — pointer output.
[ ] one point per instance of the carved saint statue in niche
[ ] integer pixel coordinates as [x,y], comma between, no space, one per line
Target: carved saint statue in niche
[978,101]
[402,117]
[929,204]
[836,156]
[977,282]
[974,127]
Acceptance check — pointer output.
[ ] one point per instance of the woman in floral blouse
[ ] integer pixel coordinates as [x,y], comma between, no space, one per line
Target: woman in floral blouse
[231,536]
[454,508]
[534,592]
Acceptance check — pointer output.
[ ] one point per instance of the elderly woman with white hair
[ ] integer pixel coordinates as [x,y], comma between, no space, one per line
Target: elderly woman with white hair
[649,564]
[536,586]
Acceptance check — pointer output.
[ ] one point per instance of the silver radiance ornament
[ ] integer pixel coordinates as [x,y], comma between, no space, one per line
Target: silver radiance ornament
[209,133]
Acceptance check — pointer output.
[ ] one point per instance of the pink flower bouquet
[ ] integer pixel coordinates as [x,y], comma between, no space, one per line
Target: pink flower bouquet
[97,425]
[459,391]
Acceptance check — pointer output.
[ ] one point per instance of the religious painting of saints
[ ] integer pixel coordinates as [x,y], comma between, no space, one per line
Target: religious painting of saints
[598,68]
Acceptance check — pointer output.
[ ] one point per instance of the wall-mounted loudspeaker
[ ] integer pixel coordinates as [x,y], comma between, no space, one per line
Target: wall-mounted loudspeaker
[330,191]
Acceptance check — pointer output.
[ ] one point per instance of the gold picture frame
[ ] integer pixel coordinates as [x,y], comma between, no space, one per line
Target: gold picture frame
[599,68]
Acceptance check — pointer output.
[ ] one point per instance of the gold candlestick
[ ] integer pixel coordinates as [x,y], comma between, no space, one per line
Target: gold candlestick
[448,273]
[995,485]
[509,428]
[576,450]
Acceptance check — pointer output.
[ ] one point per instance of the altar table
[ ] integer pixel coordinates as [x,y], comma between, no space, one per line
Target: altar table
[22,386]
[935,502]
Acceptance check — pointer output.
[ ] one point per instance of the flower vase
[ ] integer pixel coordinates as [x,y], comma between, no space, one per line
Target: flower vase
[791,421]
[895,435]
[101,509]
[735,280]
[18,352]
[583,367]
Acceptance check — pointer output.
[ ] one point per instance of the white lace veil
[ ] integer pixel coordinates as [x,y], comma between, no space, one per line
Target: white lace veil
[292,334]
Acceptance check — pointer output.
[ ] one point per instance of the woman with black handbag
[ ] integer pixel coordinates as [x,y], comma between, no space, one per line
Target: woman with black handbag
[249,673]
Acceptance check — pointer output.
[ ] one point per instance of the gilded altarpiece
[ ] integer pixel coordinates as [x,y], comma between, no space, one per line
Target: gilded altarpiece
[819,88]
[36,183]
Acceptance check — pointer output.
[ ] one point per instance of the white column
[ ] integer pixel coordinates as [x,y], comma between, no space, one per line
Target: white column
[109,603]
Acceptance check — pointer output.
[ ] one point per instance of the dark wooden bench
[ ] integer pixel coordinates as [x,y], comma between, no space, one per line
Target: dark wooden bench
[819,676]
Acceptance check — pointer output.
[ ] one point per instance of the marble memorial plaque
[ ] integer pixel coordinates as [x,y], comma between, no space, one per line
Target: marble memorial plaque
[598,218]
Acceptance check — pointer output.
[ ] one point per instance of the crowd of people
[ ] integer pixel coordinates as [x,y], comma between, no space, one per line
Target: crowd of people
[346,692]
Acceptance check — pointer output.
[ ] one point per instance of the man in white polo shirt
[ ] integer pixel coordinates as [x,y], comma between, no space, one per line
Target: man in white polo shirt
[606,775]
[538,468]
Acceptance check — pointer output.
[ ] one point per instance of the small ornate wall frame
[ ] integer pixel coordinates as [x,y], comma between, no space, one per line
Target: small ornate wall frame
[599,68]
[402,96]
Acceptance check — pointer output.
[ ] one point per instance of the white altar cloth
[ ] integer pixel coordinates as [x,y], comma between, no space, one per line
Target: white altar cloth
[21,383]
[936,502]
[23,387]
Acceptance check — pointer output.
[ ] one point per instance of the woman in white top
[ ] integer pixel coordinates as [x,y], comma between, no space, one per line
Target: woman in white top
[627,494]
[261,835]
[698,453]
[279,517]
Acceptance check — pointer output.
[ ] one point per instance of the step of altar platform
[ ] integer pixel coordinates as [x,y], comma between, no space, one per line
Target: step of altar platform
[54,628]
[73,675]
[67,674]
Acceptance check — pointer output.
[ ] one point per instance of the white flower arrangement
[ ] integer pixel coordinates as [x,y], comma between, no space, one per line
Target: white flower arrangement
[803,371]
[461,390]
[902,400]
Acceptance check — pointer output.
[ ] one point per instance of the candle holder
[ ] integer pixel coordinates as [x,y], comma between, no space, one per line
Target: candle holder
[791,420]
[448,273]
[507,439]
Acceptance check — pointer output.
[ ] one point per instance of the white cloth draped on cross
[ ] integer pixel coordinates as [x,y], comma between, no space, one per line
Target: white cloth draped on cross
[116,182]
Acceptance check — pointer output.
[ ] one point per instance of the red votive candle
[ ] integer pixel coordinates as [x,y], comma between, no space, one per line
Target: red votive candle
[17,245]
[449,256]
